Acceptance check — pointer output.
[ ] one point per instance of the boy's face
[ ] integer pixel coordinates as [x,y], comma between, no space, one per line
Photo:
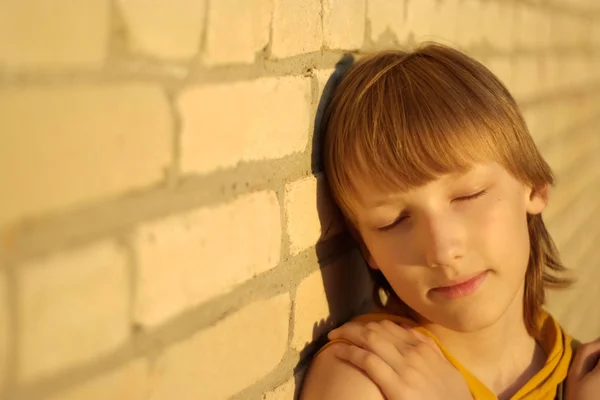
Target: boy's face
[446,232]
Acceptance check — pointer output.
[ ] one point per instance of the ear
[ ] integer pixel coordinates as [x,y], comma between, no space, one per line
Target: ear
[537,199]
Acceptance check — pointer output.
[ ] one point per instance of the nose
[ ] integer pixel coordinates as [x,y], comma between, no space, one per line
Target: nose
[442,241]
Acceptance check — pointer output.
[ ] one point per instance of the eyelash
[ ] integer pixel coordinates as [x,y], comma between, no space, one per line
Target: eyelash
[472,196]
[403,217]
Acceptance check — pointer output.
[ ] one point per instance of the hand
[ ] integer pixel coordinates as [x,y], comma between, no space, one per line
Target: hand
[583,379]
[402,362]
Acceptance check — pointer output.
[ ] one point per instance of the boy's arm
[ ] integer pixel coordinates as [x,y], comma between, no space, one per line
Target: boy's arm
[583,379]
[330,378]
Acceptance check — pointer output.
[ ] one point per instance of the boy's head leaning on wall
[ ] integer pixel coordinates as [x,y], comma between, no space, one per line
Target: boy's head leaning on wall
[433,167]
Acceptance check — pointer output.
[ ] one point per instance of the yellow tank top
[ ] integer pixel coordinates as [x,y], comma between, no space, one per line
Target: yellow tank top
[545,385]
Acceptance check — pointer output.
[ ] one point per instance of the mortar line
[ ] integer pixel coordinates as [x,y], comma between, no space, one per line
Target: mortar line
[13,341]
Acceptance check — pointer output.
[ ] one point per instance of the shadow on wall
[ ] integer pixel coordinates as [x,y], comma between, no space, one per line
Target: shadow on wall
[344,273]
[341,68]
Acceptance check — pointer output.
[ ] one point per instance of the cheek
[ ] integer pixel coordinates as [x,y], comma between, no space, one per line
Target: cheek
[502,232]
[395,260]
[390,251]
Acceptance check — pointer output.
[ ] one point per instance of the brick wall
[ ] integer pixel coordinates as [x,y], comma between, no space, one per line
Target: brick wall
[164,232]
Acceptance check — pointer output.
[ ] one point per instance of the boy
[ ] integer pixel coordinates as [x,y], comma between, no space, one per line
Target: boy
[430,162]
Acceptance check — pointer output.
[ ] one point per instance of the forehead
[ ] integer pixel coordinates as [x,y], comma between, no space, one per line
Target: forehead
[370,194]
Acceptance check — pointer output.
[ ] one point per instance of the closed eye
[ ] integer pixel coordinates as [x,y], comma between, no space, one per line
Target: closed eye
[404,217]
[398,221]
[472,196]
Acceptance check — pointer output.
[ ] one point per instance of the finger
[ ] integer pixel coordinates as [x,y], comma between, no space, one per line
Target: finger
[336,333]
[400,331]
[377,369]
[586,359]
[411,334]
[426,339]
[362,335]
[419,351]
[373,338]
[400,337]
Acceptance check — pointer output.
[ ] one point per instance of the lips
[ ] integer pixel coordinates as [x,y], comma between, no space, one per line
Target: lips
[462,287]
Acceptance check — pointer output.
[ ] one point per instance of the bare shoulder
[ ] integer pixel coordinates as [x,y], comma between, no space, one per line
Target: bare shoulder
[330,378]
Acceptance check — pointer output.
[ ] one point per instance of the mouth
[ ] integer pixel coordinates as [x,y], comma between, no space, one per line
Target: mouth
[461,287]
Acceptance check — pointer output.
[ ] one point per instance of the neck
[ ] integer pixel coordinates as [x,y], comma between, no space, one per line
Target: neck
[503,356]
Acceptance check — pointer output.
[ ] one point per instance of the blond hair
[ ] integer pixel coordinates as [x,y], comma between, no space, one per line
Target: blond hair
[402,119]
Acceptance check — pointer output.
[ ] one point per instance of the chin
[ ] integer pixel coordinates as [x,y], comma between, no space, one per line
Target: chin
[472,320]
[468,316]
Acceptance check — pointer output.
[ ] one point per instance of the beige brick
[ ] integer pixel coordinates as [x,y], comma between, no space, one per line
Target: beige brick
[576,151]
[587,265]
[595,65]
[539,120]
[72,308]
[564,79]
[531,117]
[577,30]
[311,213]
[549,73]
[228,357]
[595,34]
[129,382]
[580,244]
[566,30]
[580,324]
[498,24]
[385,16]
[323,76]
[572,218]
[470,23]
[418,20]
[575,71]
[563,152]
[527,25]
[555,119]
[502,67]
[53,34]
[327,297]
[587,110]
[559,29]
[344,24]
[583,297]
[4,330]
[568,189]
[170,29]
[553,153]
[544,31]
[104,141]
[525,78]
[296,28]
[286,391]
[252,21]
[444,21]
[190,258]
[560,115]
[271,119]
